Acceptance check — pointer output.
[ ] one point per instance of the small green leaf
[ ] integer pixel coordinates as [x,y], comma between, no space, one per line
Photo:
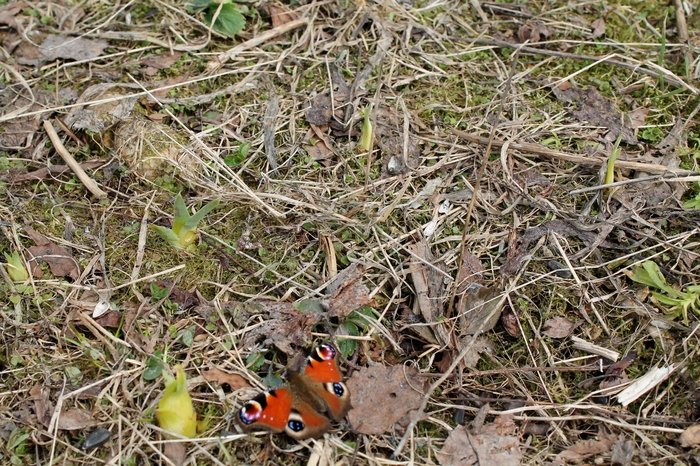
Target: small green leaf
[188,335]
[158,293]
[154,367]
[346,346]
[168,235]
[191,224]
[255,361]
[309,305]
[229,22]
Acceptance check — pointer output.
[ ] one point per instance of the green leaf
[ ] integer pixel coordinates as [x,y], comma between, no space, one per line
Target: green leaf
[366,136]
[191,224]
[154,367]
[181,215]
[346,346]
[158,293]
[168,235]
[188,336]
[229,22]
[309,305]
[255,361]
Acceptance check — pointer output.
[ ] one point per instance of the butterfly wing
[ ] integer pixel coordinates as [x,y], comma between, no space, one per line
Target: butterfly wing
[270,410]
[324,379]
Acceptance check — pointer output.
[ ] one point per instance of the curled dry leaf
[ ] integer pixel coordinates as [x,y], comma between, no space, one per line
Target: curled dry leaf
[558,327]
[480,309]
[221,377]
[494,443]
[585,449]
[509,320]
[382,395]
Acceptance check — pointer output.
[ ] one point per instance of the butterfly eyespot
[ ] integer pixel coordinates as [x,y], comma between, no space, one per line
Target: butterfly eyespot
[250,412]
[324,353]
[338,389]
[296,426]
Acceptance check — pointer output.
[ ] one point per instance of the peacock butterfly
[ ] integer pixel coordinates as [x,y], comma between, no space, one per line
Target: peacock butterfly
[303,407]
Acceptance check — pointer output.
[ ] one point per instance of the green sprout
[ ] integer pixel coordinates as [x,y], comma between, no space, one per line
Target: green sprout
[680,301]
[15,267]
[366,137]
[184,231]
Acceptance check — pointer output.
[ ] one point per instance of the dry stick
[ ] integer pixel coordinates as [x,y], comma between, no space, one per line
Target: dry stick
[482,169]
[468,346]
[583,160]
[222,58]
[72,163]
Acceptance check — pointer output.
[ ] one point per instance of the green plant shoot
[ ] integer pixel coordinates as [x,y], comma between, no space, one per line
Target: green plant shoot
[184,231]
[366,137]
[610,169]
[680,301]
[15,267]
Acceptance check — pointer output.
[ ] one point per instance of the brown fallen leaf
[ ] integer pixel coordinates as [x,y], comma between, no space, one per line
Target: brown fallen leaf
[57,46]
[622,451]
[280,15]
[221,377]
[428,282]
[480,308]
[589,106]
[8,13]
[75,419]
[348,292]
[585,449]
[509,320]
[690,436]
[558,327]
[482,444]
[382,395]
[176,452]
[471,272]
[162,61]
[320,111]
[53,170]
[60,261]
[598,27]
[69,419]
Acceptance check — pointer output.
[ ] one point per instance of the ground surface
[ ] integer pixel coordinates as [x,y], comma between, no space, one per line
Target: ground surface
[521,315]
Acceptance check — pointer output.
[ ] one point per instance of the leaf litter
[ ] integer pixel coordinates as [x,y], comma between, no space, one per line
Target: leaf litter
[360,248]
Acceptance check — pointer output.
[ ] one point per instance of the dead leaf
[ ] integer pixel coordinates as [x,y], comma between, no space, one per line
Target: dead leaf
[75,419]
[15,133]
[321,110]
[53,170]
[110,319]
[163,61]
[186,299]
[585,449]
[42,407]
[481,345]
[534,31]
[598,27]
[480,308]
[221,377]
[589,106]
[673,139]
[66,47]
[283,325]
[558,327]
[280,15]
[8,13]
[509,320]
[637,117]
[349,293]
[428,281]
[690,436]
[176,452]
[470,272]
[622,451]
[482,444]
[60,261]
[382,395]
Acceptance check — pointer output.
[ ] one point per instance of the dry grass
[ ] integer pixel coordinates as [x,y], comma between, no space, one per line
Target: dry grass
[435,72]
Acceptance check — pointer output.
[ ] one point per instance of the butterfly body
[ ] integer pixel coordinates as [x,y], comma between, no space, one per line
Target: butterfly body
[303,408]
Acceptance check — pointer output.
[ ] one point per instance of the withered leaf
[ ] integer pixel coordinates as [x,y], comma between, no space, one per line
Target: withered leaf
[66,47]
[585,449]
[482,444]
[176,452]
[75,419]
[589,106]
[690,436]
[382,395]
[321,110]
[480,308]
[509,319]
[598,27]
[221,377]
[558,327]
[60,261]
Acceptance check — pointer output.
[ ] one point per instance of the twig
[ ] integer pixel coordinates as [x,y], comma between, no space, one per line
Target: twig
[583,160]
[222,58]
[72,163]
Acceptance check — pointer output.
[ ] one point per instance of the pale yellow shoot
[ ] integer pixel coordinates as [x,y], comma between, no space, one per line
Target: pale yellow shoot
[366,137]
[175,411]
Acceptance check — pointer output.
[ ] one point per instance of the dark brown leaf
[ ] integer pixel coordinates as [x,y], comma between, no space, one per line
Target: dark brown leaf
[480,308]
[509,319]
[321,110]
[585,449]
[589,106]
